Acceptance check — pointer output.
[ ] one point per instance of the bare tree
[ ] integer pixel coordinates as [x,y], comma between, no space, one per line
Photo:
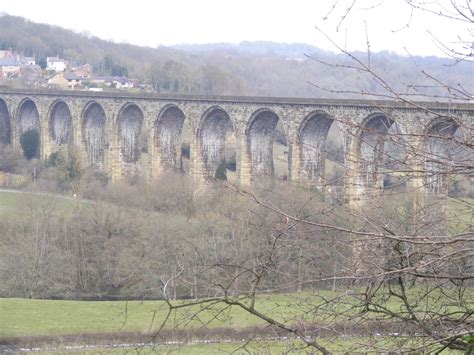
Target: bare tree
[402,265]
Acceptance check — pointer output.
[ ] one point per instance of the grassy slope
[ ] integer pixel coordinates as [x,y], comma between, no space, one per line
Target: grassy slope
[19,317]
[14,201]
[24,317]
[461,214]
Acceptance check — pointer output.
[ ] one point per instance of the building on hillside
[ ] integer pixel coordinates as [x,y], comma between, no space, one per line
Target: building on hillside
[83,71]
[121,83]
[27,61]
[6,54]
[99,81]
[9,67]
[112,82]
[66,81]
[56,64]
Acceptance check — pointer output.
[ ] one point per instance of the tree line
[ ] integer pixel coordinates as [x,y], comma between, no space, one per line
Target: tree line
[126,241]
[253,69]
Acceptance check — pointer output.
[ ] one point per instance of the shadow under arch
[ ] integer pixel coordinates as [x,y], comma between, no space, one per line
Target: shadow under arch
[93,123]
[60,124]
[167,138]
[377,133]
[28,128]
[5,123]
[129,127]
[313,147]
[260,134]
[448,152]
[212,133]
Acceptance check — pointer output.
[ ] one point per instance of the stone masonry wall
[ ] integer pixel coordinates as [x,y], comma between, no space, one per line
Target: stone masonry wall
[106,128]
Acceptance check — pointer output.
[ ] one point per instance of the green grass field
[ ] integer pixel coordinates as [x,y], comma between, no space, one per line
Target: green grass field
[12,202]
[24,317]
[460,214]
[19,317]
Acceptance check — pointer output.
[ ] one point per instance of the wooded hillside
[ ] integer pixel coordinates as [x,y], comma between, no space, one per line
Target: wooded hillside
[249,68]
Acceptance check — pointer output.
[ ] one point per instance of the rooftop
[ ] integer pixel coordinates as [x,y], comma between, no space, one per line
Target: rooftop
[8,62]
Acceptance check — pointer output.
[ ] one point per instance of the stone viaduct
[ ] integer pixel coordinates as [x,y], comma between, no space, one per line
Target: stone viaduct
[106,128]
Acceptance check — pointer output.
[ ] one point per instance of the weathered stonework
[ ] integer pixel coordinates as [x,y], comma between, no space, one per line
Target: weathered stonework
[93,133]
[166,139]
[5,131]
[211,140]
[60,125]
[109,131]
[128,133]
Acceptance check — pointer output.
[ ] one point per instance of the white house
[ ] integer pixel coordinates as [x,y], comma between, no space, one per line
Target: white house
[122,83]
[56,64]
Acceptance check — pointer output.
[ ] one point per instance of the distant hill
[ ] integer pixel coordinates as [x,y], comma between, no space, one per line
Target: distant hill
[258,48]
[248,68]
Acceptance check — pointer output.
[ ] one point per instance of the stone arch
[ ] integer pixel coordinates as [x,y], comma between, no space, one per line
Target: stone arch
[313,133]
[60,124]
[260,133]
[5,127]
[211,136]
[93,133]
[443,150]
[28,121]
[167,137]
[129,125]
[371,139]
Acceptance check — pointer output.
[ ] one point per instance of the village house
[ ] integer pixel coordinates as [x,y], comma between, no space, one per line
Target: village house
[121,83]
[56,64]
[112,82]
[66,81]
[83,71]
[15,68]
[27,61]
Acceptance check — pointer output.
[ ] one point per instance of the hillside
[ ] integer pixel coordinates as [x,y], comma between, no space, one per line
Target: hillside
[248,68]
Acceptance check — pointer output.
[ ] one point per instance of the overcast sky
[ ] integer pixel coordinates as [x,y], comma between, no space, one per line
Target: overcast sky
[167,22]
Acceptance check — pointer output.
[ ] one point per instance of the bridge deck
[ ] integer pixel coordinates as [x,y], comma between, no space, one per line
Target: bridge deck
[408,104]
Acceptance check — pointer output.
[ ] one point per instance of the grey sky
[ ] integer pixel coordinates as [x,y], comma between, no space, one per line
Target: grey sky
[154,22]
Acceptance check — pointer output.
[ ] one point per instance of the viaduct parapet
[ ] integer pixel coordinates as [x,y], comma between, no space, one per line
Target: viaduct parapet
[112,131]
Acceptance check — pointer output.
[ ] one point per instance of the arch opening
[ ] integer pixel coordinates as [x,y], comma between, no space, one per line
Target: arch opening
[29,130]
[381,152]
[130,124]
[260,143]
[5,129]
[60,127]
[280,152]
[448,160]
[93,131]
[321,150]
[168,130]
[217,144]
